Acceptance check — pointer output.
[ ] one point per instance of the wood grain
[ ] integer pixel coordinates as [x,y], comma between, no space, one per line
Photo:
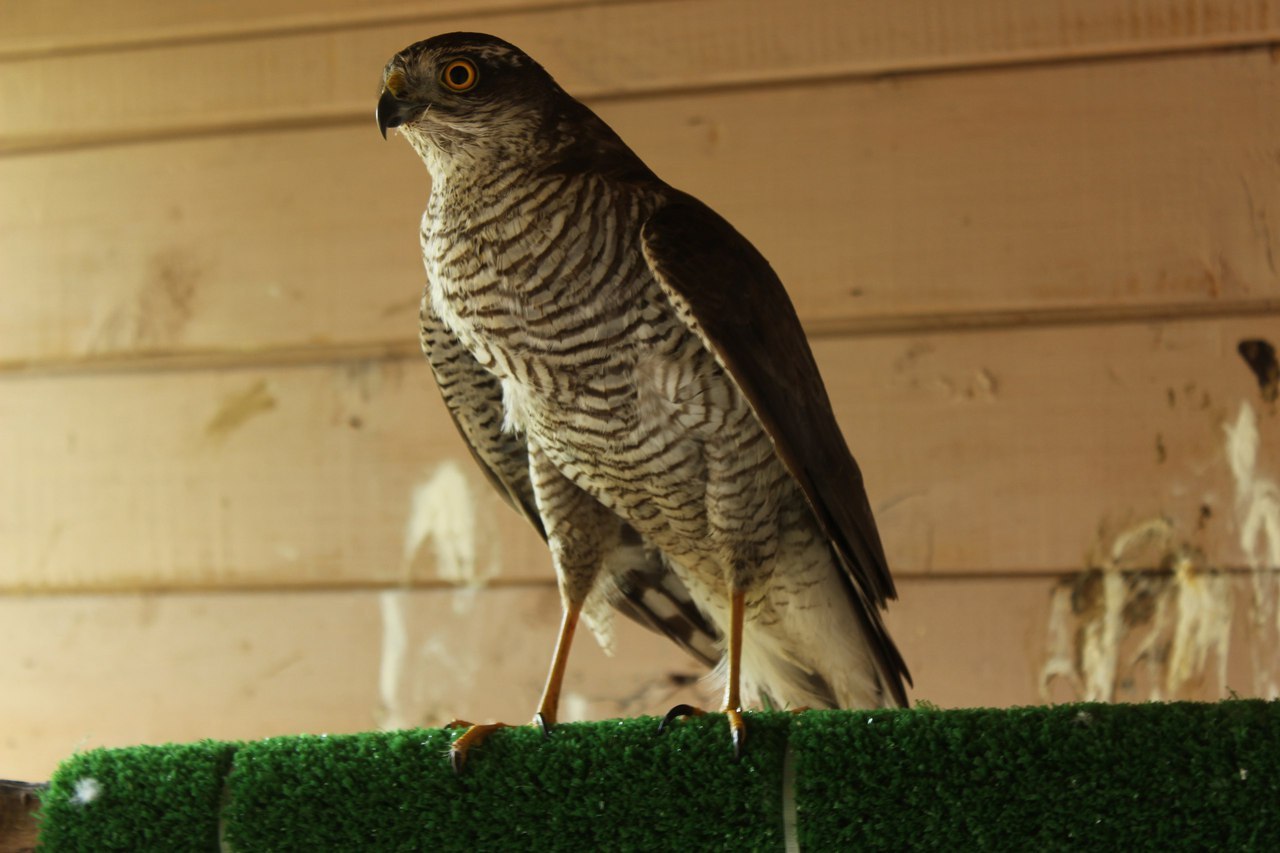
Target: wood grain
[606,49]
[86,671]
[301,476]
[114,670]
[32,28]
[1079,192]
[941,30]
[1008,451]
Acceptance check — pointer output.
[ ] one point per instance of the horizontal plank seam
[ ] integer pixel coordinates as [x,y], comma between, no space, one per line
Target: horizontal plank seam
[257,31]
[301,27]
[39,144]
[1066,574]
[861,327]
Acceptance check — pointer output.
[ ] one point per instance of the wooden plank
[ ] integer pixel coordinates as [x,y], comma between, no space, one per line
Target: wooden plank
[1075,191]
[1012,451]
[81,672]
[944,30]
[312,475]
[31,28]
[599,50]
[1039,450]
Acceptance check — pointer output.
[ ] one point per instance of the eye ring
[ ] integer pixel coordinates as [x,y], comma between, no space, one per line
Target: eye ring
[460,75]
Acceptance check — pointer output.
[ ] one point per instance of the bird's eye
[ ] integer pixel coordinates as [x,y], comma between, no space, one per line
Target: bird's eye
[460,75]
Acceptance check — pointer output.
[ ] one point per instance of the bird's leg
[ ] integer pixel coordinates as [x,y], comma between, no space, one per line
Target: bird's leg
[733,681]
[580,531]
[475,734]
[549,707]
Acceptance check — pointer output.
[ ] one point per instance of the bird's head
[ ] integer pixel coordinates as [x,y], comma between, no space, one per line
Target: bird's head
[467,94]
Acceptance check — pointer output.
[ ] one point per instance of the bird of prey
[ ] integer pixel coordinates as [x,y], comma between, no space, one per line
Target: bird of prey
[630,374]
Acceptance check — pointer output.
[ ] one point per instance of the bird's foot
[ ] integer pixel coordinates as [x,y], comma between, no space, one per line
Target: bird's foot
[737,726]
[476,733]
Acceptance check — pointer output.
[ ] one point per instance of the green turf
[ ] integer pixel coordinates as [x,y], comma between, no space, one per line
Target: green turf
[138,798]
[1071,777]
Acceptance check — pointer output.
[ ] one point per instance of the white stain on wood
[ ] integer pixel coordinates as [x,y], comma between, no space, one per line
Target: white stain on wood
[443,516]
[1257,496]
[1258,521]
[392,665]
[442,511]
[1154,615]
[1148,613]
[1204,610]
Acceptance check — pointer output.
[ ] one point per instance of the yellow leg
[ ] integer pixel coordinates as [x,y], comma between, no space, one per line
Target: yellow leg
[733,681]
[548,708]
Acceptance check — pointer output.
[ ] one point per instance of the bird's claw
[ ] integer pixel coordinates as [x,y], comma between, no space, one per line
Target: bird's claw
[737,731]
[676,713]
[737,727]
[475,735]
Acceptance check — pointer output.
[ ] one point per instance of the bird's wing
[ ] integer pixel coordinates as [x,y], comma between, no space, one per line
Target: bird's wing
[473,396]
[725,290]
[648,592]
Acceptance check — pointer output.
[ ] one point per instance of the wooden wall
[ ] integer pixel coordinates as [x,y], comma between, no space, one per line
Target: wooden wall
[1028,240]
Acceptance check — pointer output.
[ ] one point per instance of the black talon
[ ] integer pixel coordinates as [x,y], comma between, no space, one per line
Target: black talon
[675,713]
[739,737]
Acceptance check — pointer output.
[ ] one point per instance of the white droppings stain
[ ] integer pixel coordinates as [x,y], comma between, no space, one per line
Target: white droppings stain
[1257,496]
[574,707]
[1204,605]
[1101,641]
[1101,635]
[87,789]
[1060,660]
[442,515]
[1121,625]
[395,645]
[1258,522]
[1120,619]
[442,510]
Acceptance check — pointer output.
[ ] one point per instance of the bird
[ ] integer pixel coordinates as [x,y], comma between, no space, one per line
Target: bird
[630,374]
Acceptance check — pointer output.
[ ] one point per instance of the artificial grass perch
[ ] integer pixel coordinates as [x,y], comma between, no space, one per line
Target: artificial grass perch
[1070,777]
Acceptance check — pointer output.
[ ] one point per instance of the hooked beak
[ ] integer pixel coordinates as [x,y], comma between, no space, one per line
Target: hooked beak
[393,112]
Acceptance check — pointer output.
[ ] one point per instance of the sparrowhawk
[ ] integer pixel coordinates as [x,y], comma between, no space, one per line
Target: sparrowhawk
[630,374]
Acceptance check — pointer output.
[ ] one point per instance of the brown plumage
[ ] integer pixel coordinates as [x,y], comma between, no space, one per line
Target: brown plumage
[629,372]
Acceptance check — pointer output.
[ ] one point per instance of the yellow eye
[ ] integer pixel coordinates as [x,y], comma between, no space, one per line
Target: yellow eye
[460,75]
